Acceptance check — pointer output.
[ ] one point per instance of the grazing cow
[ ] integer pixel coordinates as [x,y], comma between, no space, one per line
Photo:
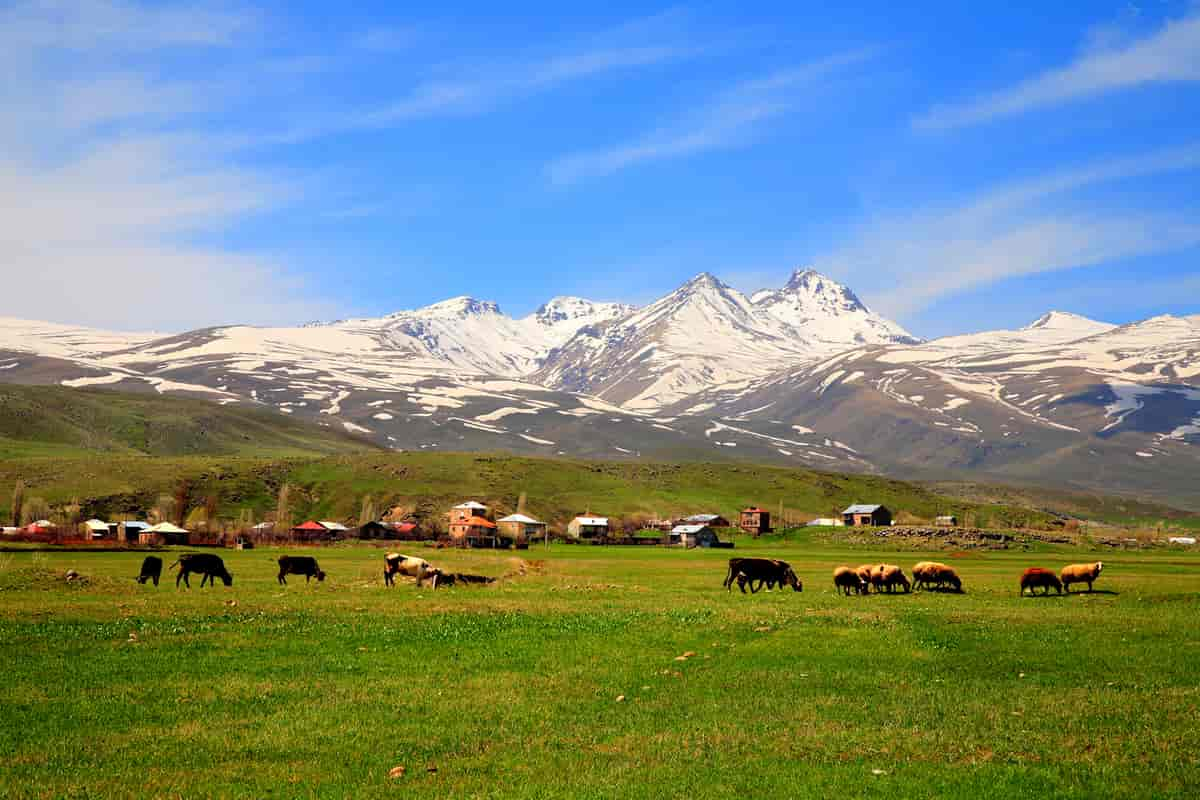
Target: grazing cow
[888,576]
[299,565]
[1080,573]
[1034,577]
[206,564]
[766,571]
[846,579]
[151,570]
[398,564]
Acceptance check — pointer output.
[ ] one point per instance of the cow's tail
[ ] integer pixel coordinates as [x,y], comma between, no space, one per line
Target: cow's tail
[174,564]
[728,584]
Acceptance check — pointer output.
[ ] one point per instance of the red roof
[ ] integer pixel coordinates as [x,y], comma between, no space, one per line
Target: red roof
[309,526]
[480,522]
[406,527]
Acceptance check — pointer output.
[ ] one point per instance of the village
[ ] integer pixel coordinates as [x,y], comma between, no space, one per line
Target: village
[470,524]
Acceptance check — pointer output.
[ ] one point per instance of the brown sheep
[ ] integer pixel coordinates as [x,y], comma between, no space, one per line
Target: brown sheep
[1080,573]
[1034,577]
[934,575]
[889,576]
[846,579]
[865,571]
[919,572]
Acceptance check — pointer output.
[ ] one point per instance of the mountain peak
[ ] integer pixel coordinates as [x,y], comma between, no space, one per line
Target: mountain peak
[809,283]
[461,306]
[1066,322]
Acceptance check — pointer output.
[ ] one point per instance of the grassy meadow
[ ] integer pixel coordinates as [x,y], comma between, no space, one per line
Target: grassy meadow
[113,689]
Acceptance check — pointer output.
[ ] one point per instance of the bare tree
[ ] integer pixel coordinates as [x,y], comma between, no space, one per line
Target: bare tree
[283,510]
[34,509]
[18,502]
[210,510]
[367,514]
[521,504]
[183,499]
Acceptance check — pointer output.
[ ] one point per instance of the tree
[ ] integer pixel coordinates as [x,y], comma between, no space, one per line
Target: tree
[210,511]
[283,510]
[164,508]
[183,498]
[34,509]
[18,502]
[367,514]
[521,504]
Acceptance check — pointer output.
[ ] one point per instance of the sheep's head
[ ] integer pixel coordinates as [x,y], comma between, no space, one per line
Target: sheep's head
[1099,566]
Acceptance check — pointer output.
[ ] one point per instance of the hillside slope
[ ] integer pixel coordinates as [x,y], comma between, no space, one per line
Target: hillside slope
[52,420]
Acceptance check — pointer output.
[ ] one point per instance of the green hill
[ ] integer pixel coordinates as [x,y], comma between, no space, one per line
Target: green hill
[58,421]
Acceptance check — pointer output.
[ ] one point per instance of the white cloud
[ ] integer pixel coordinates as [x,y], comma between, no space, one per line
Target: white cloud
[725,121]
[107,196]
[1170,55]
[1009,231]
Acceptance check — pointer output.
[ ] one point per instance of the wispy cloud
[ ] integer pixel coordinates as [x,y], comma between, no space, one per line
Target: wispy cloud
[473,87]
[1013,230]
[724,121]
[109,193]
[1172,54]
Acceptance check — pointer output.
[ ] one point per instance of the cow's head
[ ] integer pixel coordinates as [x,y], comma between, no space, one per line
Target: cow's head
[789,577]
[227,579]
[320,575]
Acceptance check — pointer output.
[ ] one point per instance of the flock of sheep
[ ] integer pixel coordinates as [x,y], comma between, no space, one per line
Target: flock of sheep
[935,575]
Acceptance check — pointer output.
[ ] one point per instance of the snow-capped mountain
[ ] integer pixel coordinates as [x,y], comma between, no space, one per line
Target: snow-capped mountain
[821,309]
[805,374]
[707,334]
[1064,399]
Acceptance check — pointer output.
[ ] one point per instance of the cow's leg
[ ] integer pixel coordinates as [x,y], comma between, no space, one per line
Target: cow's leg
[156,580]
[280,578]
[187,580]
[387,577]
[307,576]
[741,582]
[179,577]
[204,576]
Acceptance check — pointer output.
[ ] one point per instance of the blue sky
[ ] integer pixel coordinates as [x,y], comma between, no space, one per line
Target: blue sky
[961,167]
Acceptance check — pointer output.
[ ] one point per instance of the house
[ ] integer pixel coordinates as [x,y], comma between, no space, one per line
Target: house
[336,530]
[946,521]
[461,517]
[408,531]
[264,527]
[867,516]
[696,536]
[310,531]
[131,531]
[475,532]
[99,529]
[755,520]
[163,533]
[711,520]
[826,522]
[520,528]
[587,527]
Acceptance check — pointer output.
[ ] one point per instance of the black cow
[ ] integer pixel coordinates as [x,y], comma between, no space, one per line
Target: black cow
[206,564]
[299,565]
[151,570]
[759,572]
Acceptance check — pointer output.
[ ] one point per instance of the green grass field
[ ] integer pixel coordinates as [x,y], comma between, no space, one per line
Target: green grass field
[113,689]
